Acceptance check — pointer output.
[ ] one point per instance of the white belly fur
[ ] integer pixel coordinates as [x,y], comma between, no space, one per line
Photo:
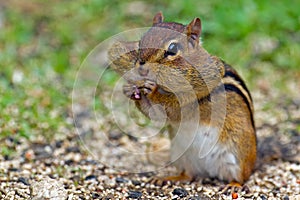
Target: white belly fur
[200,154]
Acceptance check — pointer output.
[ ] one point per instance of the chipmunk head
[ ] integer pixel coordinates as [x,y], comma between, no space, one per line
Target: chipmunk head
[170,53]
[166,41]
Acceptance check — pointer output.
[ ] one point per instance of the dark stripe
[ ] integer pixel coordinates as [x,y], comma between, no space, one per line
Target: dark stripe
[204,99]
[233,88]
[230,88]
[229,72]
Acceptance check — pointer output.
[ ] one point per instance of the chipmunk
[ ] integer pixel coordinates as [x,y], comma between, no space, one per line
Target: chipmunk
[208,107]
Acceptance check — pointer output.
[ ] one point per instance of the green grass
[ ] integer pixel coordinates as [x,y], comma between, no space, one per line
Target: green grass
[45,42]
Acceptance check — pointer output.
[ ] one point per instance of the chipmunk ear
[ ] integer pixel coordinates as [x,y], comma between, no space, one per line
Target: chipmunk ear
[193,31]
[158,18]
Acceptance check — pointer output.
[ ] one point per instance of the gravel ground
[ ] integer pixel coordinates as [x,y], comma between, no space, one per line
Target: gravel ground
[66,169]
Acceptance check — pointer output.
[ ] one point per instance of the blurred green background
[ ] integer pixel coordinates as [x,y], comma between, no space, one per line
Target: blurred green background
[42,44]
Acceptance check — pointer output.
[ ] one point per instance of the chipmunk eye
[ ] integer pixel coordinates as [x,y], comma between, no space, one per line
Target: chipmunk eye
[172,49]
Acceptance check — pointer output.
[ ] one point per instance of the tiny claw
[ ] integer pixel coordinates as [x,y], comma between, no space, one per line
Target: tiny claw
[149,87]
[182,177]
[147,91]
[132,92]
[234,187]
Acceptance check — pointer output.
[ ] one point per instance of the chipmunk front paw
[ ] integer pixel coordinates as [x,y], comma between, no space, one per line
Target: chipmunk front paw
[132,91]
[149,87]
[135,92]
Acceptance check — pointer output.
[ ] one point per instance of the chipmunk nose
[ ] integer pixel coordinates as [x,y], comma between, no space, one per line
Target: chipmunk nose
[143,70]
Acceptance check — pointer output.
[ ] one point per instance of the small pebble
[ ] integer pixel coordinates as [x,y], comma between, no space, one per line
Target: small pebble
[135,182]
[195,198]
[75,178]
[286,198]
[13,169]
[29,155]
[41,151]
[48,164]
[6,157]
[69,162]
[263,197]
[115,135]
[180,192]
[96,195]
[146,174]
[200,197]
[90,177]
[86,162]
[121,180]
[73,149]
[13,140]
[234,195]
[59,143]
[23,180]
[246,189]
[134,194]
